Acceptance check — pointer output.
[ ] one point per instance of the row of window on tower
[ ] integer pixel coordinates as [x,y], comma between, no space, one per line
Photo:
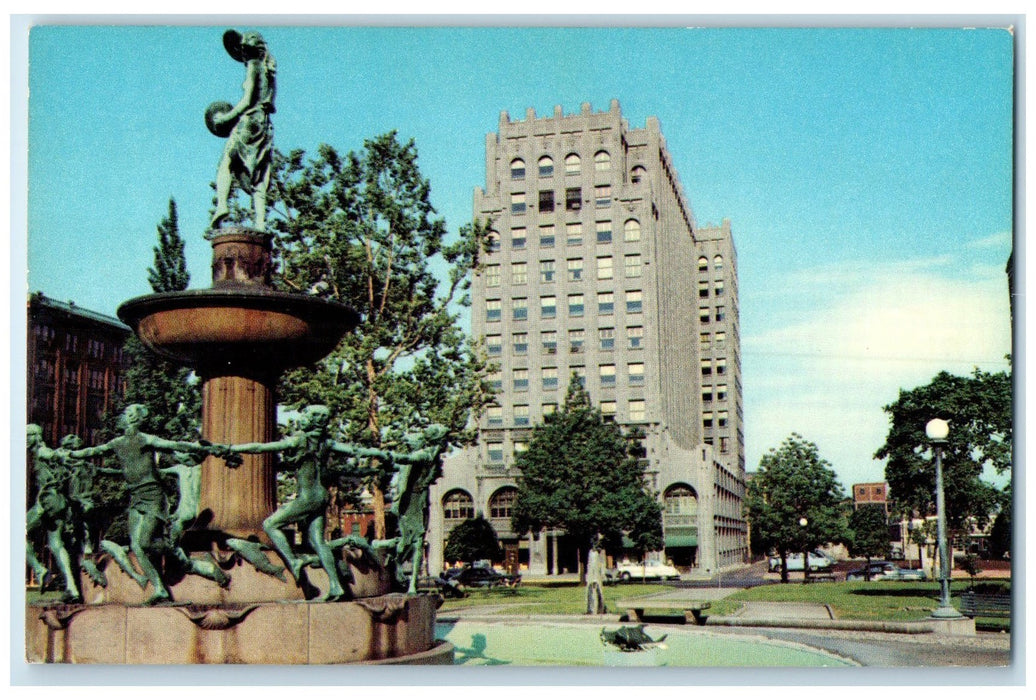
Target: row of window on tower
[547,234]
[574,270]
[573,165]
[634,300]
[575,340]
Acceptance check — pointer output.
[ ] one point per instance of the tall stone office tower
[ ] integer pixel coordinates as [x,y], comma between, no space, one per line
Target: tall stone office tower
[596,271]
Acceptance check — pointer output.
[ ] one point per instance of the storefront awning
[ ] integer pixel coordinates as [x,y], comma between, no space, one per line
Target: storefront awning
[681,540]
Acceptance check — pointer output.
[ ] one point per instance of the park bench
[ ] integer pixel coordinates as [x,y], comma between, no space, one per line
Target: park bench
[821,576]
[985,604]
[692,609]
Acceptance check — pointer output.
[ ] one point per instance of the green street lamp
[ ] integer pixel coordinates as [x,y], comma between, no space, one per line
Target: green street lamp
[937,431]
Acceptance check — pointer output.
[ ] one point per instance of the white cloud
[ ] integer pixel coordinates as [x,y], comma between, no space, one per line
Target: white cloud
[862,333]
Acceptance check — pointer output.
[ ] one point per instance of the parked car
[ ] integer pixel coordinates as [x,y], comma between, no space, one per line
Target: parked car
[818,561]
[442,585]
[481,577]
[886,571]
[630,571]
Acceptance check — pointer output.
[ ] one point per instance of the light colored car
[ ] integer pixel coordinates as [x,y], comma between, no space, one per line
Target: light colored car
[886,571]
[631,571]
[818,561]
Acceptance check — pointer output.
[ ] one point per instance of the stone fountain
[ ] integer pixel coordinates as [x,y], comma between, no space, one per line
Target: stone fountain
[240,335]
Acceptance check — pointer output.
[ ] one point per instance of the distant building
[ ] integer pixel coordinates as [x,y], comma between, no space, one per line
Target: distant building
[598,269]
[75,368]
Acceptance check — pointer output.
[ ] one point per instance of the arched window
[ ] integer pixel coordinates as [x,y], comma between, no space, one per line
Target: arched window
[458,505]
[631,230]
[501,502]
[602,161]
[546,165]
[703,264]
[637,174]
[680,499]
[717,263]
[517,169]
[572,164]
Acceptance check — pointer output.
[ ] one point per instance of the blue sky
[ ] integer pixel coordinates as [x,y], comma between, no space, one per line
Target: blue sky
[867,173]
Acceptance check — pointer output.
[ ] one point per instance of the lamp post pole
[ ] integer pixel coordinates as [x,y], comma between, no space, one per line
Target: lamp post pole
[937,430]
[803,522]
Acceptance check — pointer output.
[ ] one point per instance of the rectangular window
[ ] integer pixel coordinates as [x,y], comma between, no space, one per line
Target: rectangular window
[721,392]
[706,419]
[604,231]
[517,202]
[721,365]
[518,238]
[520,309]
[549,341]
[546,271]
[607,373]
[607,336]
[575,269]
[496,453]
[603,195]
[721,313]
[608,410]
[576,338]
[574,233]
[494,344]
[637,409]
[636,373]
[575,304]
[494,241]
[703,289]
[724,445]
[579,374]
[546,200]
[494,416]
[704,341]
[706,394]
[548,307]
[547,236]
[549,408]
[492,275]
[496,382]
[520,342]
[721,419]
[573,198]
[605,270]
[520,446]
[633,265]
[636,336]
[718,288]
[521,415]
[706,368]
[634,302]
[492,309]
[520,379]
[703,314]
[605,303]
[721,339]
[550,378]
[519,273]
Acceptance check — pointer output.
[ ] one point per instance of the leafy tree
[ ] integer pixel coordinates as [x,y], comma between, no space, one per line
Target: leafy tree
[581,474]
[472,540]
[1000,532]
[868,533]
[979,411]
[360,229]
[794,483]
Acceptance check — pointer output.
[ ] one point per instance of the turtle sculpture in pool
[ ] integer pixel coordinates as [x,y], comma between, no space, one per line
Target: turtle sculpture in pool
[630,638]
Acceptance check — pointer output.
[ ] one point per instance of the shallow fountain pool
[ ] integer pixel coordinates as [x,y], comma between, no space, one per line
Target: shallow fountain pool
[558,644]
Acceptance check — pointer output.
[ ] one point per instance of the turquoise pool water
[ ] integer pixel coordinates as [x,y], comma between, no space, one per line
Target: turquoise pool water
[557,644]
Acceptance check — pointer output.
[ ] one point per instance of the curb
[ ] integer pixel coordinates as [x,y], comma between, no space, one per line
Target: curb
[919,627]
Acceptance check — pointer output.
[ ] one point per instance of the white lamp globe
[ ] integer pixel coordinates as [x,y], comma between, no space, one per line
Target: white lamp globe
[937,429]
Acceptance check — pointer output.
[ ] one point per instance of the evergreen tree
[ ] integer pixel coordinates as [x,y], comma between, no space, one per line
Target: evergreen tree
[868,533]
[979,411]
[472,540]
[794,484]
[581,474]
[169,273]
[361,230]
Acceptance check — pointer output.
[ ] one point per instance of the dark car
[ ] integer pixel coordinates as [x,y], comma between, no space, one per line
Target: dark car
[481,577]
[442,585]
[886,571]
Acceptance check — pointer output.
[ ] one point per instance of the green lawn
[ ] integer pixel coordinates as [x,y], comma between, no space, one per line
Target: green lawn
[555,599]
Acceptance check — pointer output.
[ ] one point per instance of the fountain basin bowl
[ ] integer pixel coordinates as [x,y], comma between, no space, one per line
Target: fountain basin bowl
[230,326]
